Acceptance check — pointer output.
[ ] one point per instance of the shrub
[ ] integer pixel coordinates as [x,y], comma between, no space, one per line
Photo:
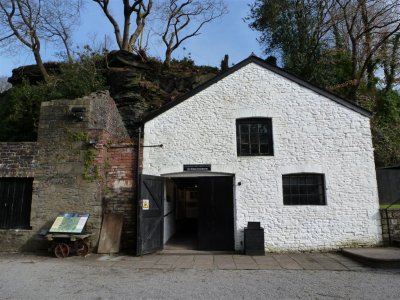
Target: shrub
[20,106]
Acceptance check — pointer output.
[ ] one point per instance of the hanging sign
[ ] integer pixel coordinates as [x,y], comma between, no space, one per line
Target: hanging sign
[197,168]
[145,204]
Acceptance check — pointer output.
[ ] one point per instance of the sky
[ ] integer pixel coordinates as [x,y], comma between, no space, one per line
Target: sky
[227,35]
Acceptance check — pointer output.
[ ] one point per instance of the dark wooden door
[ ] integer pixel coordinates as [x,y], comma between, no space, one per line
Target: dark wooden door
[215,222]
[150,221]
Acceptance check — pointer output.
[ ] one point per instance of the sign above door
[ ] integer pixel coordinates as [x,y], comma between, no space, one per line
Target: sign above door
[196,168]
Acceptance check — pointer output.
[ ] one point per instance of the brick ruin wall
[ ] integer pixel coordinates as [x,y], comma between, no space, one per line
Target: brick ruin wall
[71,174]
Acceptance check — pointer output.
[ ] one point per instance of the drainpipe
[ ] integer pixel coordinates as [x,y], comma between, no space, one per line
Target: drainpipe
[138,188]
[138,158]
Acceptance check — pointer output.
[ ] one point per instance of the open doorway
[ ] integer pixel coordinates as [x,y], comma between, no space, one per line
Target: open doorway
[198,213]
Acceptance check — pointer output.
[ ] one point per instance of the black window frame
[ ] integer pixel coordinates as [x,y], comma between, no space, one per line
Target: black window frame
[267,140]
[16,202]
[304,189]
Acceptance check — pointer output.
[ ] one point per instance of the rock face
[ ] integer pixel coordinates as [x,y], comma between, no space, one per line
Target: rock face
[139,87]
[32,74]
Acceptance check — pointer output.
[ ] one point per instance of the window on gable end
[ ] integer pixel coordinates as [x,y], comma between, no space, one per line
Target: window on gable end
[254,137]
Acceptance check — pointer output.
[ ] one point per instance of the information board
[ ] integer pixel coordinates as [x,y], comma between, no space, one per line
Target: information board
[69,223]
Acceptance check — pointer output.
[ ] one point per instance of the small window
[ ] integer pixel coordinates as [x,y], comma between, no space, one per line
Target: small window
[15,203]
[303,189]
[254,137]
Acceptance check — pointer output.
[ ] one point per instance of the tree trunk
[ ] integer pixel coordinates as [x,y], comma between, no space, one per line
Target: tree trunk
[370,75]
[39,63]
[355,76]
[68,51]
[127,25]
[134,36]
[367,46]
[390,63]
[167,61]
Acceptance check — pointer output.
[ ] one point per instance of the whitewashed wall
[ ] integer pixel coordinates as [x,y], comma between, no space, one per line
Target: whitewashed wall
[311,134]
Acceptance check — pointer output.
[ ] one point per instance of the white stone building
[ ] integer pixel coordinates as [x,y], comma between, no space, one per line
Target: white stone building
[258,144]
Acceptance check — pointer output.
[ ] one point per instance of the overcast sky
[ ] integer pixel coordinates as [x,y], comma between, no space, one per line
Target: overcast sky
[228,35]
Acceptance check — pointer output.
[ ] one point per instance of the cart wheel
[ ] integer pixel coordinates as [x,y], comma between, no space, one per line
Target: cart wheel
[61,250]
[81,248]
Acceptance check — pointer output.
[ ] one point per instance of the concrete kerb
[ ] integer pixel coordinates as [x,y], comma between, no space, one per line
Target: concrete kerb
[287,261]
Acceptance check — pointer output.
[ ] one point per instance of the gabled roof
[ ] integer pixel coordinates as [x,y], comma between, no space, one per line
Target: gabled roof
[276,70]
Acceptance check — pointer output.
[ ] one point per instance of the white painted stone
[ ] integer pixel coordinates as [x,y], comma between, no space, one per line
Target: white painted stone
[311,133]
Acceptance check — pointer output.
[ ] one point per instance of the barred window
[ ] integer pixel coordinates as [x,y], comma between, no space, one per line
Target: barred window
[254,137]
[15,203]
[303,189]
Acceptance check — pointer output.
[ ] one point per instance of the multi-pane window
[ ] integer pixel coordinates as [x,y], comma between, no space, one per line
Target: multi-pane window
[303,189]
[15,203]
[254,136]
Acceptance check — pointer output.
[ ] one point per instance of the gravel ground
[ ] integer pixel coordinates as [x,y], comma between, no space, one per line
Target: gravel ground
[24,278]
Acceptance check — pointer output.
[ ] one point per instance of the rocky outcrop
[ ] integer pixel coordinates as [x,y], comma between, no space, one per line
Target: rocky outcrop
[139,88]
[32,74]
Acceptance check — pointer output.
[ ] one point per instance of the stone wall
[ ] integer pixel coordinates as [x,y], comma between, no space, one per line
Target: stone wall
[17,159]
[390,222]
[311,134]
[59,185]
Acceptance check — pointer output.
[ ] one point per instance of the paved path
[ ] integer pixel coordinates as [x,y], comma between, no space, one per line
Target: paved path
[275,276]
[292,261]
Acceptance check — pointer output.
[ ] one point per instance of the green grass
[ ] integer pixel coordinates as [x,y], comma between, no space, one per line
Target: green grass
[394,206]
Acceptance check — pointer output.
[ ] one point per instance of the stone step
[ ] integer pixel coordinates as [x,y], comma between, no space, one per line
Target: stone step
[382,257]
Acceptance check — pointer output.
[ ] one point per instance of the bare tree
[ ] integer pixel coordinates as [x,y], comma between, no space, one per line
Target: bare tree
[366,25]
[141,8]
[390,57]
[99,44]
[184,19]
[22,18]
[58,20]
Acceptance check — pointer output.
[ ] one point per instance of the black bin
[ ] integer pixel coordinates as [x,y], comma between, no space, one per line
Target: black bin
[254,239]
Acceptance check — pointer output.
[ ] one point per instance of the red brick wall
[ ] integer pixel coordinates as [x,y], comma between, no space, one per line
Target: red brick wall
[117,161]
[120,192]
